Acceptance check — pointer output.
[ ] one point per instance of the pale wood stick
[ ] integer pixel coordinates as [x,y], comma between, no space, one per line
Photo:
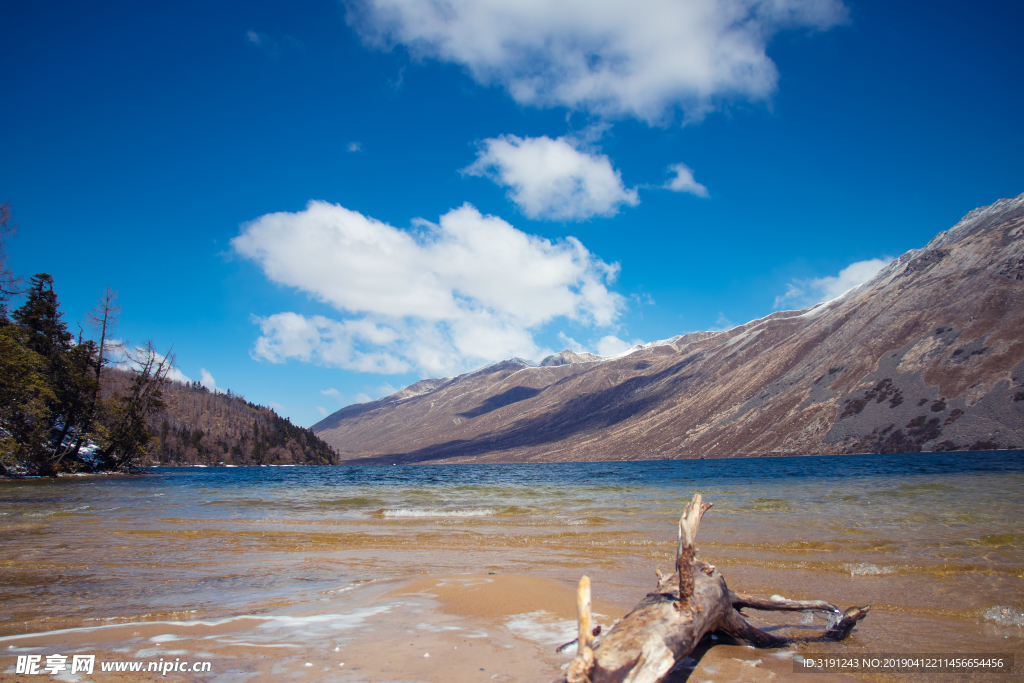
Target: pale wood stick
[583,613]
[581,666]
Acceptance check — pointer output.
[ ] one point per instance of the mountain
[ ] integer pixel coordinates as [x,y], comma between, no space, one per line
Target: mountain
[926,356]
[196,426]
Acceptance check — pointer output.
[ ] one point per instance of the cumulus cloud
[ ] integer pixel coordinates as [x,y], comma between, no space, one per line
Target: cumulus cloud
[125,356]
[436,299]
[611,345]
[619,58]
[803,293]
[553,179]
[682,181]
[206,379]
[570,343]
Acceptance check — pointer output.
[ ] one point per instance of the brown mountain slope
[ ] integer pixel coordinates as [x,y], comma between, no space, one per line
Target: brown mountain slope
[195,426]
[928,355]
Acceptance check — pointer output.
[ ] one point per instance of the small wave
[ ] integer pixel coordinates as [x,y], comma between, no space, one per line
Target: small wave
[1005,616]
[438,512]
[358,502]
[867,569]
[543,627]
[586,521]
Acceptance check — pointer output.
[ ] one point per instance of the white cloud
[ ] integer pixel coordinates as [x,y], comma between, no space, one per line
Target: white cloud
[206,379]
[437,299]
[553,179]
[570,343]
[612,345]
[323,411]
[617,58]
[684,182]
[332,392]
[355,147]
[117,353]
[803,293]
[384,389]
[253,37]
[722,323]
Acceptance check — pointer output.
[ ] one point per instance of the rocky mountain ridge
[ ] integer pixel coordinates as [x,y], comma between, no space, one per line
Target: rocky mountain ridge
[927,355]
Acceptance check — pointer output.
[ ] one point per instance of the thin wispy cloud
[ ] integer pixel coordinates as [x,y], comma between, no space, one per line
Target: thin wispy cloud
[807,292]
[554,179]
[332,392]
[644,59]
[273,46]
[437,299]
[355,147]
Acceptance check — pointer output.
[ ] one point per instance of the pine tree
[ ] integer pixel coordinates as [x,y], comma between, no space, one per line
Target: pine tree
[68,370]
[25,396]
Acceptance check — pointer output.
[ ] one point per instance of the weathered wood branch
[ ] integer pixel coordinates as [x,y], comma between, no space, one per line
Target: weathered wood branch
[666,625]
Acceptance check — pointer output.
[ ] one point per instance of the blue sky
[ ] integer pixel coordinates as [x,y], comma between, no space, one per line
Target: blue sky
[505,178]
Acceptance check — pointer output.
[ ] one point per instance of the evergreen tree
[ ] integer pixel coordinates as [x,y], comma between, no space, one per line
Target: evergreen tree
[68,370]
[25,397]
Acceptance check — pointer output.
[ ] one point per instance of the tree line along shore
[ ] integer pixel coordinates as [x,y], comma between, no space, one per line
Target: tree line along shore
[86,404]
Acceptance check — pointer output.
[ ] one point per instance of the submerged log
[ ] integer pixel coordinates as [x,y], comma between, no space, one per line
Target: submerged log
[686,605]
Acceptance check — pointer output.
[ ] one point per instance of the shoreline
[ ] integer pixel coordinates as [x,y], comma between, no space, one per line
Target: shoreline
[397,460]
[442,628]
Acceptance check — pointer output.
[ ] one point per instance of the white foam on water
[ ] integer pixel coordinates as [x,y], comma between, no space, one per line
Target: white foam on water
[157,652]
[246,643]
[544,628]
[435,628]
[868,569]
[439,512]
[317,624]
[1005,616]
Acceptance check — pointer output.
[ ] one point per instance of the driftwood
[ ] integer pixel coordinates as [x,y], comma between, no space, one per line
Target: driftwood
[686,605]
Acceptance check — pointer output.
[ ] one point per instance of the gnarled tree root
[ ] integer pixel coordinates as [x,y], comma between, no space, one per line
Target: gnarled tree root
[668,624]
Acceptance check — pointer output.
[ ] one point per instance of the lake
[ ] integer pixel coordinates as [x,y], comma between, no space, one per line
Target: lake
[332,561]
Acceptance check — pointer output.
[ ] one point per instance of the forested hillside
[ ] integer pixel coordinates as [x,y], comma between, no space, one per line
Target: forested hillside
[196,426]
[71,404]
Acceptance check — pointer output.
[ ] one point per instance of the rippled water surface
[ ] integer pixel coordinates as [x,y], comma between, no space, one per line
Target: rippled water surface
[929,535]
